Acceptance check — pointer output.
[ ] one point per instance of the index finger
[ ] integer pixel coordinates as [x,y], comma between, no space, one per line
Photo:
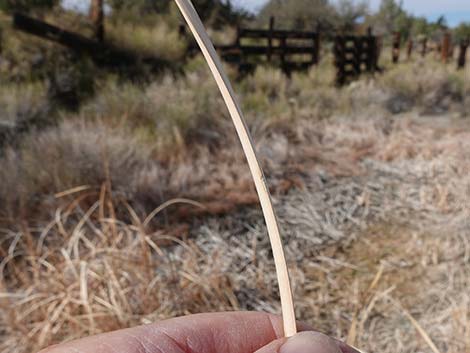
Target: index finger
[234,332]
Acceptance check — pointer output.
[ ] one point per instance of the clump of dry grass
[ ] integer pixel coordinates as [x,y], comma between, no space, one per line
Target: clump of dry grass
[90,273]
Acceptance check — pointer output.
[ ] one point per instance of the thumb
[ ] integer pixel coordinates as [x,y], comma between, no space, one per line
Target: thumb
[307,342]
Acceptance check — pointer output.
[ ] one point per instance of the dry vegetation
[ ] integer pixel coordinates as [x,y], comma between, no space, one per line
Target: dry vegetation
[366,250]
[371,183]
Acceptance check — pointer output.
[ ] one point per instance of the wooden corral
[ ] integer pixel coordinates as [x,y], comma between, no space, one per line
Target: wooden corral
[273,45]
[355,55]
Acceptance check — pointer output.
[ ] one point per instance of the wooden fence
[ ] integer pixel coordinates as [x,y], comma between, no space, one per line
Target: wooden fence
[444,49]
[291,50]
[355,55]
[103,54]
[273,45]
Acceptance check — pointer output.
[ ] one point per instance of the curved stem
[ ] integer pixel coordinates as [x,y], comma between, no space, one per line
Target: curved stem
[199,32]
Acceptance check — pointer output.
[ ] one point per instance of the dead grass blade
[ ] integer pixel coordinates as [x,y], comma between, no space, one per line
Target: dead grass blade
[167,204]
[417,326]
[215,65]
[72,191]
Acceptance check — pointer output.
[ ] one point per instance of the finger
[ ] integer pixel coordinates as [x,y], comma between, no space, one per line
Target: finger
[273,347]
[222,332]
[307,342]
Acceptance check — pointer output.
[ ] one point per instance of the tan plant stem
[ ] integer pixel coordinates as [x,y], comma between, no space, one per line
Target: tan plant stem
[215,65]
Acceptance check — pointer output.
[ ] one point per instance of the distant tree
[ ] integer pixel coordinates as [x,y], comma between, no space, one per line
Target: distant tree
[26,5]
[392,17]
[349,13]
[421,27]
[300,14]
[441,22]
[462,31]
[217,12]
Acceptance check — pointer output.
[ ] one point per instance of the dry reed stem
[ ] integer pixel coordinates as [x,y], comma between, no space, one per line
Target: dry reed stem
[418,327]
[208,50]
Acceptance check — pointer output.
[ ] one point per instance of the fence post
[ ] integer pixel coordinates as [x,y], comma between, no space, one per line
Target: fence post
[270,37]
[283,53]
[238,49]
[461,61]
[372,49]
[445,47]
[424,47]
[316,46]
[410,49]
[396,47]
[97,19]
[237,39]
[357,55]
[438,50]
[339,54]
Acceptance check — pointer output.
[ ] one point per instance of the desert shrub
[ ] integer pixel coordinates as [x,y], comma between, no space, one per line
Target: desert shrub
[22,102]
[431,86]
[117,101]
[265,92]
[158,40]
[22,105]
[190,105]
[161,112]
[73,154]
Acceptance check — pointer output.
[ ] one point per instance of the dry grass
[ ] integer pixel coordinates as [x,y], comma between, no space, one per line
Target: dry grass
[366,250]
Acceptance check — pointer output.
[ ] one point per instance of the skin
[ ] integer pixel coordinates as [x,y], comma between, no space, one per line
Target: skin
[237,332]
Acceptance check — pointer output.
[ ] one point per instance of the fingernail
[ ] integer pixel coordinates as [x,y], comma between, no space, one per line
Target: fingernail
[310,342]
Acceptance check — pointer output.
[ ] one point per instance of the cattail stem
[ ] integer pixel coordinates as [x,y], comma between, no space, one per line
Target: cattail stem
[215,65]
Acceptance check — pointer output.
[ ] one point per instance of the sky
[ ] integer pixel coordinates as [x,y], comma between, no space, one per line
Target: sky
[455,11]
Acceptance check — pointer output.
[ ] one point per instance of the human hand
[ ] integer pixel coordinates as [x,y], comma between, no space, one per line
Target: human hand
[234,332]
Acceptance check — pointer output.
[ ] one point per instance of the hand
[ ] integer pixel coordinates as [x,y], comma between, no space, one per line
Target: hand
[243,332]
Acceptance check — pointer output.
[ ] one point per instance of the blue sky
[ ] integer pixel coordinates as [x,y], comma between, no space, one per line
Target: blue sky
[455,11]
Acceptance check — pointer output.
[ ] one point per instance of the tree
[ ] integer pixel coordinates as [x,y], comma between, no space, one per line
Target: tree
[462,31]
[392,17]
[421,27]
[349,13]
[300,14]
[216,12]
